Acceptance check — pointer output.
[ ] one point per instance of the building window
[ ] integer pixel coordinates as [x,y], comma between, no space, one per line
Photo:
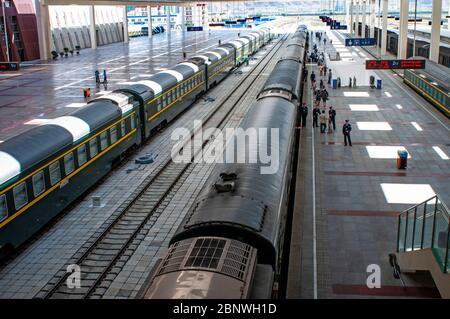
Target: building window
[20,195]
[55,173]
[38,183]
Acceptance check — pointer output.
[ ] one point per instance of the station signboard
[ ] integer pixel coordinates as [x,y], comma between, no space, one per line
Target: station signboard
[395,64]
[359,42]
[9,66]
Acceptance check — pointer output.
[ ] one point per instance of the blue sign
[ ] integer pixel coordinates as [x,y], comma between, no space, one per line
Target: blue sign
[359,42]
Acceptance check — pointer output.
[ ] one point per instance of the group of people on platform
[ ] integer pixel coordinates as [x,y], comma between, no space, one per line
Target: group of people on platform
[326,118]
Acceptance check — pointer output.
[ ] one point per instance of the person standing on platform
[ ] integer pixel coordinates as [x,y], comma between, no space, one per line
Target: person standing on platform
[325,69]
[304,114]
[350,82]
[316,113]
[105,79]
[354,81]
[332,115]
[97,77]
[346,129]
[313,77]
[305,74]
[323,122]
[330,76]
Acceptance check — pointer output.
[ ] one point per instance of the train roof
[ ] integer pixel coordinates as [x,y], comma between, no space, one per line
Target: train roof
[284,76]
[25,150]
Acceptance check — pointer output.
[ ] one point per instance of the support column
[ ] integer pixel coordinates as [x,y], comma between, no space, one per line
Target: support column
[436,30]
[92,29]
[372,19]
[183,18]
[384,27]
[125,24]
[352,20]
[150,24]
[44,30]
[357,17]
[403,30]
[364,16]
[168,18]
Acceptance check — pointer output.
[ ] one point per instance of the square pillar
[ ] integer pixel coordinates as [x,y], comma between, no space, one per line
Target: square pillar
[384,27]
[92,29]
[364,16]
[168,18]
[372,18]
[352,30]
[150,25]
[44,30]
[403,30]
[357,6]
[183,18]
[436,30]
[125,24]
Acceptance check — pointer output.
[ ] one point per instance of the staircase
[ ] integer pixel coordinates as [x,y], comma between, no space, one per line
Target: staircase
[423,241]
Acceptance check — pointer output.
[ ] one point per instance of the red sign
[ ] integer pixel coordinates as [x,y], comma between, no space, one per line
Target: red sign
[394,64]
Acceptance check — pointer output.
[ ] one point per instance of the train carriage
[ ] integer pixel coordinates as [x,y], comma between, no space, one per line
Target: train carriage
[66,156]
[47,167]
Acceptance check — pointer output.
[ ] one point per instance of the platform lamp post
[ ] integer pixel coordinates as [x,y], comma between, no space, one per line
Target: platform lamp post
[6,31]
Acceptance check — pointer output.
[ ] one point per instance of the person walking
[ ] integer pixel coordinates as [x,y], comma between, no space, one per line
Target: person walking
[105,79]
[318,97]
[350,82]
[323,122]
[330,76]
[316,113]
[354,81]
[346,129]
[322,86]
[324,97]
[332,115]
[325,69]
[305,74]
[304,114]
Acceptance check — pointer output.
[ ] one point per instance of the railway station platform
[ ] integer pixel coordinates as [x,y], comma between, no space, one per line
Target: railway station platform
[347,205]
[45,90]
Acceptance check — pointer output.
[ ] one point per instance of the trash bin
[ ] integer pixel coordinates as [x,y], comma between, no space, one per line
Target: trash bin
[402,159]
[334,81]
[379,84]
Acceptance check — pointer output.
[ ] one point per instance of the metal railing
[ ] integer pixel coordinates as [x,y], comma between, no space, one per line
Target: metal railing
[426,225]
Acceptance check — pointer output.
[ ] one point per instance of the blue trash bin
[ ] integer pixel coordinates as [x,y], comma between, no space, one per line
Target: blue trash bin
[379,84]
[334,84]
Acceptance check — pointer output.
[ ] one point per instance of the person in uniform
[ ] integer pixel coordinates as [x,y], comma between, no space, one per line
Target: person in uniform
[346,129]
[316,113]
[304,110]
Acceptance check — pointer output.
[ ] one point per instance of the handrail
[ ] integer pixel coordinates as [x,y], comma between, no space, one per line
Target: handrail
[426,225]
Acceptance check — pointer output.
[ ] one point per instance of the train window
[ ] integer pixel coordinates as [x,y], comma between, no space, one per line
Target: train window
[113,134]
[133,122]
[20,195]
[93,149]
[82,155]
[103,140]
[38,183]
[122,128]
[55,173]
[169,97]
[3,207]
[158,105]
[69,164]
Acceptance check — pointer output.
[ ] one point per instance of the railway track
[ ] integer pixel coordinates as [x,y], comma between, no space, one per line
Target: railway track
[102,258]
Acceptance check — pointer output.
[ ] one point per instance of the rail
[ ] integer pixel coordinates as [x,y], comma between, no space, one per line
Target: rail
[426,225]
[107,254]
